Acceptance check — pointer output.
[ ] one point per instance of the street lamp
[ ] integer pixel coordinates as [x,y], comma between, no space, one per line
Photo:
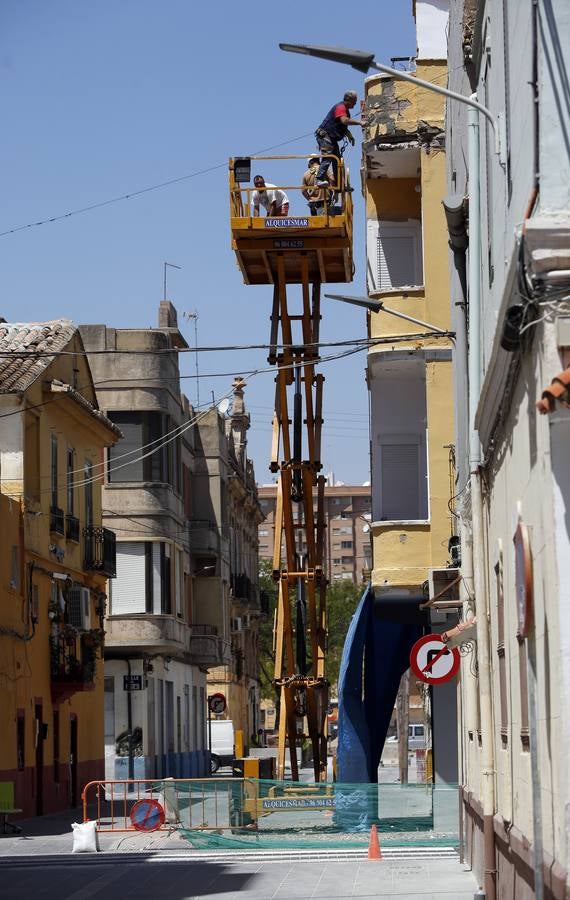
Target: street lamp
[379,306]
[363,62]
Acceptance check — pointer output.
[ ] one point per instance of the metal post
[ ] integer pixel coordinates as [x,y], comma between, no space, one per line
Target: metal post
[130,725]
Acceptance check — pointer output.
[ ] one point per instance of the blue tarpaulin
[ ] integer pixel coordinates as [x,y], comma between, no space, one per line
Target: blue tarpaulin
[375,656]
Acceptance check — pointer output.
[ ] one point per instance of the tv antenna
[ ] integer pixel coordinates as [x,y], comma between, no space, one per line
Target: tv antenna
[171,266]
[194,316]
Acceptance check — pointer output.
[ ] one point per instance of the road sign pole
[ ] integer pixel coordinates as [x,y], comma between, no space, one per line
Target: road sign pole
[130,727]
[210,729]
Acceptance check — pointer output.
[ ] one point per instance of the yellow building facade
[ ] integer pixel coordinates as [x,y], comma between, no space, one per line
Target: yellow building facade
[410,378]
[55,559]
[410,375]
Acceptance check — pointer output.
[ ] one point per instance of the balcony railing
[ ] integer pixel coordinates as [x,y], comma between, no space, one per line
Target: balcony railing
[72,663]
[72,528]
[243,588]
[56,520]
[100,551]
[207,648]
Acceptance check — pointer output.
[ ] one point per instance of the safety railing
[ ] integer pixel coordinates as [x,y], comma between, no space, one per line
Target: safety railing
[204,804]
[332,201]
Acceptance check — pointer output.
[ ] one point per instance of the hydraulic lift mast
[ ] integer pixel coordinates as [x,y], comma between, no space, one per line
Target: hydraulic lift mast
[305,252]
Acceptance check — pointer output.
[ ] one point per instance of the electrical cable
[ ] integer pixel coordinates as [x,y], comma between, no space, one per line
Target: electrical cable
[186,425]
[163,184]
[137,193]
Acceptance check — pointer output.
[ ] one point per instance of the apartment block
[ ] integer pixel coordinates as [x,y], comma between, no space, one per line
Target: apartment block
[347,517]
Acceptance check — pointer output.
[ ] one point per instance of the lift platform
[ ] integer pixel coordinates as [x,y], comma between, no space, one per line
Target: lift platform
[324,240]
[300,250]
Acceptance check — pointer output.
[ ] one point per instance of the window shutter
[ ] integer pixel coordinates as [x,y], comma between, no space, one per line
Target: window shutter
[399,488]
[128,588]
[74,607]
[123,467]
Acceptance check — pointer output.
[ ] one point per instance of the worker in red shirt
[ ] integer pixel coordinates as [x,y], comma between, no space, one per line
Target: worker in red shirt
[334,128]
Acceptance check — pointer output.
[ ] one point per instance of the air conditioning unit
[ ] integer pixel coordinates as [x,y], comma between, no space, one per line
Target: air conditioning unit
[444,584]
[236,624]
[79,608]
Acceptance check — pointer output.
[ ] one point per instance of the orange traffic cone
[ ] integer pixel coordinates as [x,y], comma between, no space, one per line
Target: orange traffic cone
[374,851]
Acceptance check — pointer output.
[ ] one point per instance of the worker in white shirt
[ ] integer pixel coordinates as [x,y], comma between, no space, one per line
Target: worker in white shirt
[273,199]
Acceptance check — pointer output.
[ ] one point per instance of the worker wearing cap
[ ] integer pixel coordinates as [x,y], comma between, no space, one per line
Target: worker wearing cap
[312,194]
[334,128]
[273,199]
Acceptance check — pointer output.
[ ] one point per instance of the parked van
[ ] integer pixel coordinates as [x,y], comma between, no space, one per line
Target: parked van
[416,736]
[223,749]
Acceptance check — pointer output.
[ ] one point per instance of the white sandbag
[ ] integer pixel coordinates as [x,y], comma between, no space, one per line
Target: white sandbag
[85,837]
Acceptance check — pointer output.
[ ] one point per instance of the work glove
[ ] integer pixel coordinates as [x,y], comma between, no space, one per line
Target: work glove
[350,138]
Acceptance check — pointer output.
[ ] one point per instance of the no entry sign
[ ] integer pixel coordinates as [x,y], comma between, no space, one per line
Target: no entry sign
[217,704]
[432,661]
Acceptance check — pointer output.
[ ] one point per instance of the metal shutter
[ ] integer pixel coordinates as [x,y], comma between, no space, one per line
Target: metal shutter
[128,588]
[399,488]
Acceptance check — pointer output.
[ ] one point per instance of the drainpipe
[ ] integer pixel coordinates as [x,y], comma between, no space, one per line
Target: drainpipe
[479,580]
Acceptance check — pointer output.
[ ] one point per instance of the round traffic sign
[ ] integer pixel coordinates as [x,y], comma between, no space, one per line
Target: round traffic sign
[147,815]
[217,704]
[432,661]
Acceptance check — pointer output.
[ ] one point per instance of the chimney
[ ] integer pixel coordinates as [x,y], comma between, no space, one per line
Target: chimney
[167,315]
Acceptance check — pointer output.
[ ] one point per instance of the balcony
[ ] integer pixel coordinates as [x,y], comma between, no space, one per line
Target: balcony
[243,588]
[56,520]
[204,538]
[200,645]
[72,528]
[207,649]
[146,633]
[72,663]
[100,551]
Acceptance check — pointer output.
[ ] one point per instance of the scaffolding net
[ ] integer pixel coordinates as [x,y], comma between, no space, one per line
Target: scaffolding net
[254,814]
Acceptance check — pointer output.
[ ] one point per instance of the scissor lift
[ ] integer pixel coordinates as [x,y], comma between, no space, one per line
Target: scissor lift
[303,250]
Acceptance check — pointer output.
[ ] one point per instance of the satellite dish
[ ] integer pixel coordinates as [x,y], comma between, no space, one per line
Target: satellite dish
[223,406]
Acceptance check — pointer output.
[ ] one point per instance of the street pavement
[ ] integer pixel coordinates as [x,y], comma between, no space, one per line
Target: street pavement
[38,864]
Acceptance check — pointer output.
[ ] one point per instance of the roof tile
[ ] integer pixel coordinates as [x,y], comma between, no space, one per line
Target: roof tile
[17,373]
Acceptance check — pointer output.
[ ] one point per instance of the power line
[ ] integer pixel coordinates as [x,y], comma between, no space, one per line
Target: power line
[138,193]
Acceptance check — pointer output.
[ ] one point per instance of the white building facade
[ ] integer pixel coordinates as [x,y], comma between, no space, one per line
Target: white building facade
[513,477]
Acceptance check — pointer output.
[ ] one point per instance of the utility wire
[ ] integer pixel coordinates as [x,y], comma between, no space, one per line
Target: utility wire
[190,423]
[138,193]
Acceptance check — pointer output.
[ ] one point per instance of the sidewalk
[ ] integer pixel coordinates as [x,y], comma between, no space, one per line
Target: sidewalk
[39,863]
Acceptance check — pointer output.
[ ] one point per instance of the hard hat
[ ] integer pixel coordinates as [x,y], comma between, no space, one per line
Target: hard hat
[350,95]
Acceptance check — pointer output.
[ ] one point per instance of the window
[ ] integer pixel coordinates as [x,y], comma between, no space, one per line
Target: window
[144,433]
[21,740]
[501,650]
[56,746]
[399,448]
[523,687]
[70,481]
[347,560]
[395,254]
[187,492]
[400,486]
[53,471]
[337,561]
[263,532]
[346,545]
[32,476]
[144,580]
[15,568]
[88,487]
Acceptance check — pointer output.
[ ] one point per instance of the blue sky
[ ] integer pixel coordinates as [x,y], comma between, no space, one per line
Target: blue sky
[104,97]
